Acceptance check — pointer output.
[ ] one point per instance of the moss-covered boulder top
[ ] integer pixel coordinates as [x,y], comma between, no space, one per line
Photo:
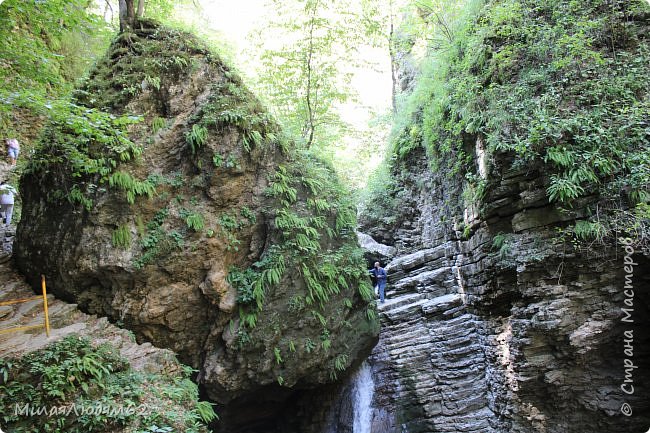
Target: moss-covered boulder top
[165,197]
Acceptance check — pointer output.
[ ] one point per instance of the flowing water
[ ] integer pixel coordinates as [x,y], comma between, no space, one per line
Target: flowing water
[364,389]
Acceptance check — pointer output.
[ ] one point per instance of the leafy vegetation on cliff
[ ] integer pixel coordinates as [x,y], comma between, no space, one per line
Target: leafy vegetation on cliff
[80,150]
[313,215]
[309,242]
[72,386]
[562,85]
[46,46]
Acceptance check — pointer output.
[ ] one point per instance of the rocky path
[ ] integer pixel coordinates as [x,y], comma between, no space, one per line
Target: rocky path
[65,319]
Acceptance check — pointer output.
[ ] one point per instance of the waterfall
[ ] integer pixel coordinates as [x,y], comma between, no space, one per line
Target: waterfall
[364,388]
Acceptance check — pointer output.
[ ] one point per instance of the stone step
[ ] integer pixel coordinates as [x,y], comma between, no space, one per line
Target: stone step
[407,338]
[453,371]
[443,303]
[405,347]
[416,259]
[408,360]
[450,333]
[416,281]
[399,301]
[464,320]
[453,422]
[405,310]
[459,342]
[462,352]
[407,333]
[63,314]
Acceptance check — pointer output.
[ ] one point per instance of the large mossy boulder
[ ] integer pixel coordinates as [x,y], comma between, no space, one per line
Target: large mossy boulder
[166,198]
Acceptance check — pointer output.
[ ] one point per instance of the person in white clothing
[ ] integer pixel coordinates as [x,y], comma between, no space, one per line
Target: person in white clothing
[7,193]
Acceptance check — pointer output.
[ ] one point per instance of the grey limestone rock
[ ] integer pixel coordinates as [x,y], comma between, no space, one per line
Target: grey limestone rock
[526,338]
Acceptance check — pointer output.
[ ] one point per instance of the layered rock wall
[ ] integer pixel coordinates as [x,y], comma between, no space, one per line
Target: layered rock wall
[526,337]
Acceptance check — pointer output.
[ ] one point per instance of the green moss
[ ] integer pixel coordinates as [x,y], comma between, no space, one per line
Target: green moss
[230,104]
[149,58]
[230,226]
[157,242]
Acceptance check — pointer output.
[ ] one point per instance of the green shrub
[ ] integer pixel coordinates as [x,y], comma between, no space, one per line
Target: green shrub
[80,149]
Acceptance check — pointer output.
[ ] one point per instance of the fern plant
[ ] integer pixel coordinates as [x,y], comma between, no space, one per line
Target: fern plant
[195,221]
[121,236]
[205,411]
[503,243]
[131,186]
[589,230]
[564,190]
[278,355]
[196,137]
[340,362]
[157,124]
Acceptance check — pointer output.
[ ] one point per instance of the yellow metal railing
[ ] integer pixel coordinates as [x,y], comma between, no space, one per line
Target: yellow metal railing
[46,323]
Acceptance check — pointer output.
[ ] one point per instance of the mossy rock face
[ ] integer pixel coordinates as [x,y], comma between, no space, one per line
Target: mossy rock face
[473,194]
[208,156]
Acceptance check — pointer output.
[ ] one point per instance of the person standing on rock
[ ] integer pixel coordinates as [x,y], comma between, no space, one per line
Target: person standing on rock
[7,193]
[380,275]
[13,149]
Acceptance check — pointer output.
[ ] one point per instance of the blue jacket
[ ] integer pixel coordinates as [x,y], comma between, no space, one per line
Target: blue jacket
[380,274]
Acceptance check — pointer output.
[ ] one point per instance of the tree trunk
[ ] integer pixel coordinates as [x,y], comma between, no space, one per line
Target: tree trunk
[140,8]
[127,14]
[310,110]
[393,59]
[393,68]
